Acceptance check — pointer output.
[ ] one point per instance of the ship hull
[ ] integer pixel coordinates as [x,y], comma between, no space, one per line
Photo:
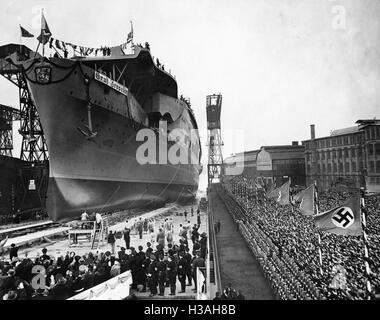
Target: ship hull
[102,173]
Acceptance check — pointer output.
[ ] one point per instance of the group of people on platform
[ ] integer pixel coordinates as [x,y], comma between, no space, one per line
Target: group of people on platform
[286,243]
[154,268]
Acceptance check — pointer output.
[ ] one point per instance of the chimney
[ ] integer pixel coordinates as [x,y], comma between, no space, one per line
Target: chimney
[312,131]
[294,143]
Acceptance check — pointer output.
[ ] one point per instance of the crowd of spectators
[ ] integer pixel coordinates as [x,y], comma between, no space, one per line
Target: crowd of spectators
[159,265]
[286,245]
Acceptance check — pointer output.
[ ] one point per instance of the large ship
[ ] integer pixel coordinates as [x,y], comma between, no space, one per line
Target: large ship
[101,116]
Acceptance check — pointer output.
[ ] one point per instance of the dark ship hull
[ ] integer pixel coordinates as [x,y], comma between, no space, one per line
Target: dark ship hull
[91,124]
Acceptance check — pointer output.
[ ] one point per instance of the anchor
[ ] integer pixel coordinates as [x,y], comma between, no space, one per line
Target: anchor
[87,132]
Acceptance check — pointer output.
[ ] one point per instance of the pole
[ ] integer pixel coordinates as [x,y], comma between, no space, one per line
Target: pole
[365,241]
[318,234]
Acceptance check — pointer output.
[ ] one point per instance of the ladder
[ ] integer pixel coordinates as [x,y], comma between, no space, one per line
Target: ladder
[100,234]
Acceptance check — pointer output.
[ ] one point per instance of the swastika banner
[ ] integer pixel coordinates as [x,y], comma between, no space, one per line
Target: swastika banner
[342,220]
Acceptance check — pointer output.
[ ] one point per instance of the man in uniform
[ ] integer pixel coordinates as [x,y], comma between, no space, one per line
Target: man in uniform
[140,228]
[172,274]
[182,270]
[153,275]
[161,275]
[140,273]
[198,262]
[189,259]
[144,269]
[127,237]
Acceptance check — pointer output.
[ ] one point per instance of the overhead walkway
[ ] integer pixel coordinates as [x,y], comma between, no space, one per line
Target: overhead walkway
[237,264]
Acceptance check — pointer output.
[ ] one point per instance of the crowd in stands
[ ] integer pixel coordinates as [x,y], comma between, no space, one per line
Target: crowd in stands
[286,245]
[154,268]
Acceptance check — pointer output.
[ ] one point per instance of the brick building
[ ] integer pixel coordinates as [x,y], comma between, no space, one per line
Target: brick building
[345,157]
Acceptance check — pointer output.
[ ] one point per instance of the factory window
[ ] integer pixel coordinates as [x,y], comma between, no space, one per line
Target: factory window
[346,153]
[360,153]
[319,168]
[339,153]
[372,166]
[370,149]
[335,168]
[378,132]
[317,155]
[353,152]
[328,154]
[378,166]
[341,167]
[373,133]
[377,148]
[347,167]
[334,154]
[353,166]
[324,169]
[329,168]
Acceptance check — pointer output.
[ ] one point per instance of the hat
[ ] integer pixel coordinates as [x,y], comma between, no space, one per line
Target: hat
[204,234]
[152,256]
[82,268]
[11,272]
[122,249]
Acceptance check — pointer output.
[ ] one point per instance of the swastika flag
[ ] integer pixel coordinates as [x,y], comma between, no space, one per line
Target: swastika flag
[342,220]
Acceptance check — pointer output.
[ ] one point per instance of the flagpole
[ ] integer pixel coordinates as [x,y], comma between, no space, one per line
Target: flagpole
[365,241]
[318,233]
[20,38]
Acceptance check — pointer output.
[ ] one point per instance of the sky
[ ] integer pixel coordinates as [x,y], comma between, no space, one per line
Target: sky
[280,65]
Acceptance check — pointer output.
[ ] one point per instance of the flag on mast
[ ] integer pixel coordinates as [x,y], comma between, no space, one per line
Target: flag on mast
[45,31]
[130,34]
[25,33]
[342,220]
[281,194]
[306,197]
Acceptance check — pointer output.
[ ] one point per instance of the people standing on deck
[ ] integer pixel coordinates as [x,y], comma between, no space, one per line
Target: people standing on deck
[203,244]
[182,270]
[192,211]
[161,275]
[99,220]
[140,227]
[13,252]
[144,270]
[145,226]
[169,237]
[195,233]
[161,237]
[172,274]
[153,275]
[127,237]
[84,218]
[198,262]
[111,240]
[189,260]
[185,214]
